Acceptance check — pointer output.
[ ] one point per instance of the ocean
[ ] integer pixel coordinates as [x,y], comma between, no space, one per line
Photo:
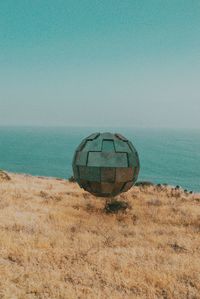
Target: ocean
[166,155]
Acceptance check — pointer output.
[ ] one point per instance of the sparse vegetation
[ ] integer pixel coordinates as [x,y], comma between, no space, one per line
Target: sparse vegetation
[56,241]
[144,183]
[4,176]
[72,179]
[116,206]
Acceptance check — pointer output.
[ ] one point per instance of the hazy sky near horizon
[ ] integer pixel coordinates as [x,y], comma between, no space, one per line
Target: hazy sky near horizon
[100,63]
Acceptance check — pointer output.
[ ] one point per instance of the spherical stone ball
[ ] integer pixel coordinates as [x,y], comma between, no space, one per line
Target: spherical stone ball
[106,164]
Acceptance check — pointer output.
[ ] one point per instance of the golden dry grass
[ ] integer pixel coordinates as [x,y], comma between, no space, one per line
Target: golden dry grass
[56,241]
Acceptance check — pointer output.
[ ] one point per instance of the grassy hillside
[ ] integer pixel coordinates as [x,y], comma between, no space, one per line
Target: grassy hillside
[57,241]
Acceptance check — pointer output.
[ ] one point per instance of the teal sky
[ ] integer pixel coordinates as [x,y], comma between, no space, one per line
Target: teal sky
[100,63]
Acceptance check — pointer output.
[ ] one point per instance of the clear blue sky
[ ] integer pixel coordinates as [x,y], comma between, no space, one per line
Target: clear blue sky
[103,63]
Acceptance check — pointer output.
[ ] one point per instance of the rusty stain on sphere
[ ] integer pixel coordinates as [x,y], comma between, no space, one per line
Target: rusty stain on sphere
[106,164]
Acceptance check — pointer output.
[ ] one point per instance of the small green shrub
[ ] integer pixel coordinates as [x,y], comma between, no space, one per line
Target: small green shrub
[71,179]
[116,206]
[4,176]
[144,183]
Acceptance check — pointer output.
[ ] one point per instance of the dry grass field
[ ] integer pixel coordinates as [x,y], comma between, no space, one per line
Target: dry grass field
[57,241]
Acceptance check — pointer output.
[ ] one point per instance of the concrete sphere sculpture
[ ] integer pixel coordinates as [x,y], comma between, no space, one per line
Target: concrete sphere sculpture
[106,164]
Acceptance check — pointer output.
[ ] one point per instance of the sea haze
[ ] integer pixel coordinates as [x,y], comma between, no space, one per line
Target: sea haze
[166,156]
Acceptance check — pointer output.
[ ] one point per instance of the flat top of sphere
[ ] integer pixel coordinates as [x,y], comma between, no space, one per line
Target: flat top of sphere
[106,135]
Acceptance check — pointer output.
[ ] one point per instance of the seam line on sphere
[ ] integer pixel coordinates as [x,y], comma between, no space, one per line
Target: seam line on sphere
[122,188]
[96,136]
[130,147]
[74,158]
[83,145]
[121,137]
[93,134]
[87,158]
[78,170]
[114,146]
[128,160]
[94,151]
[102,145]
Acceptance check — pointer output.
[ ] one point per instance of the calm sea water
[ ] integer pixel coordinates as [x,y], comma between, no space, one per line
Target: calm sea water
[166,156]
